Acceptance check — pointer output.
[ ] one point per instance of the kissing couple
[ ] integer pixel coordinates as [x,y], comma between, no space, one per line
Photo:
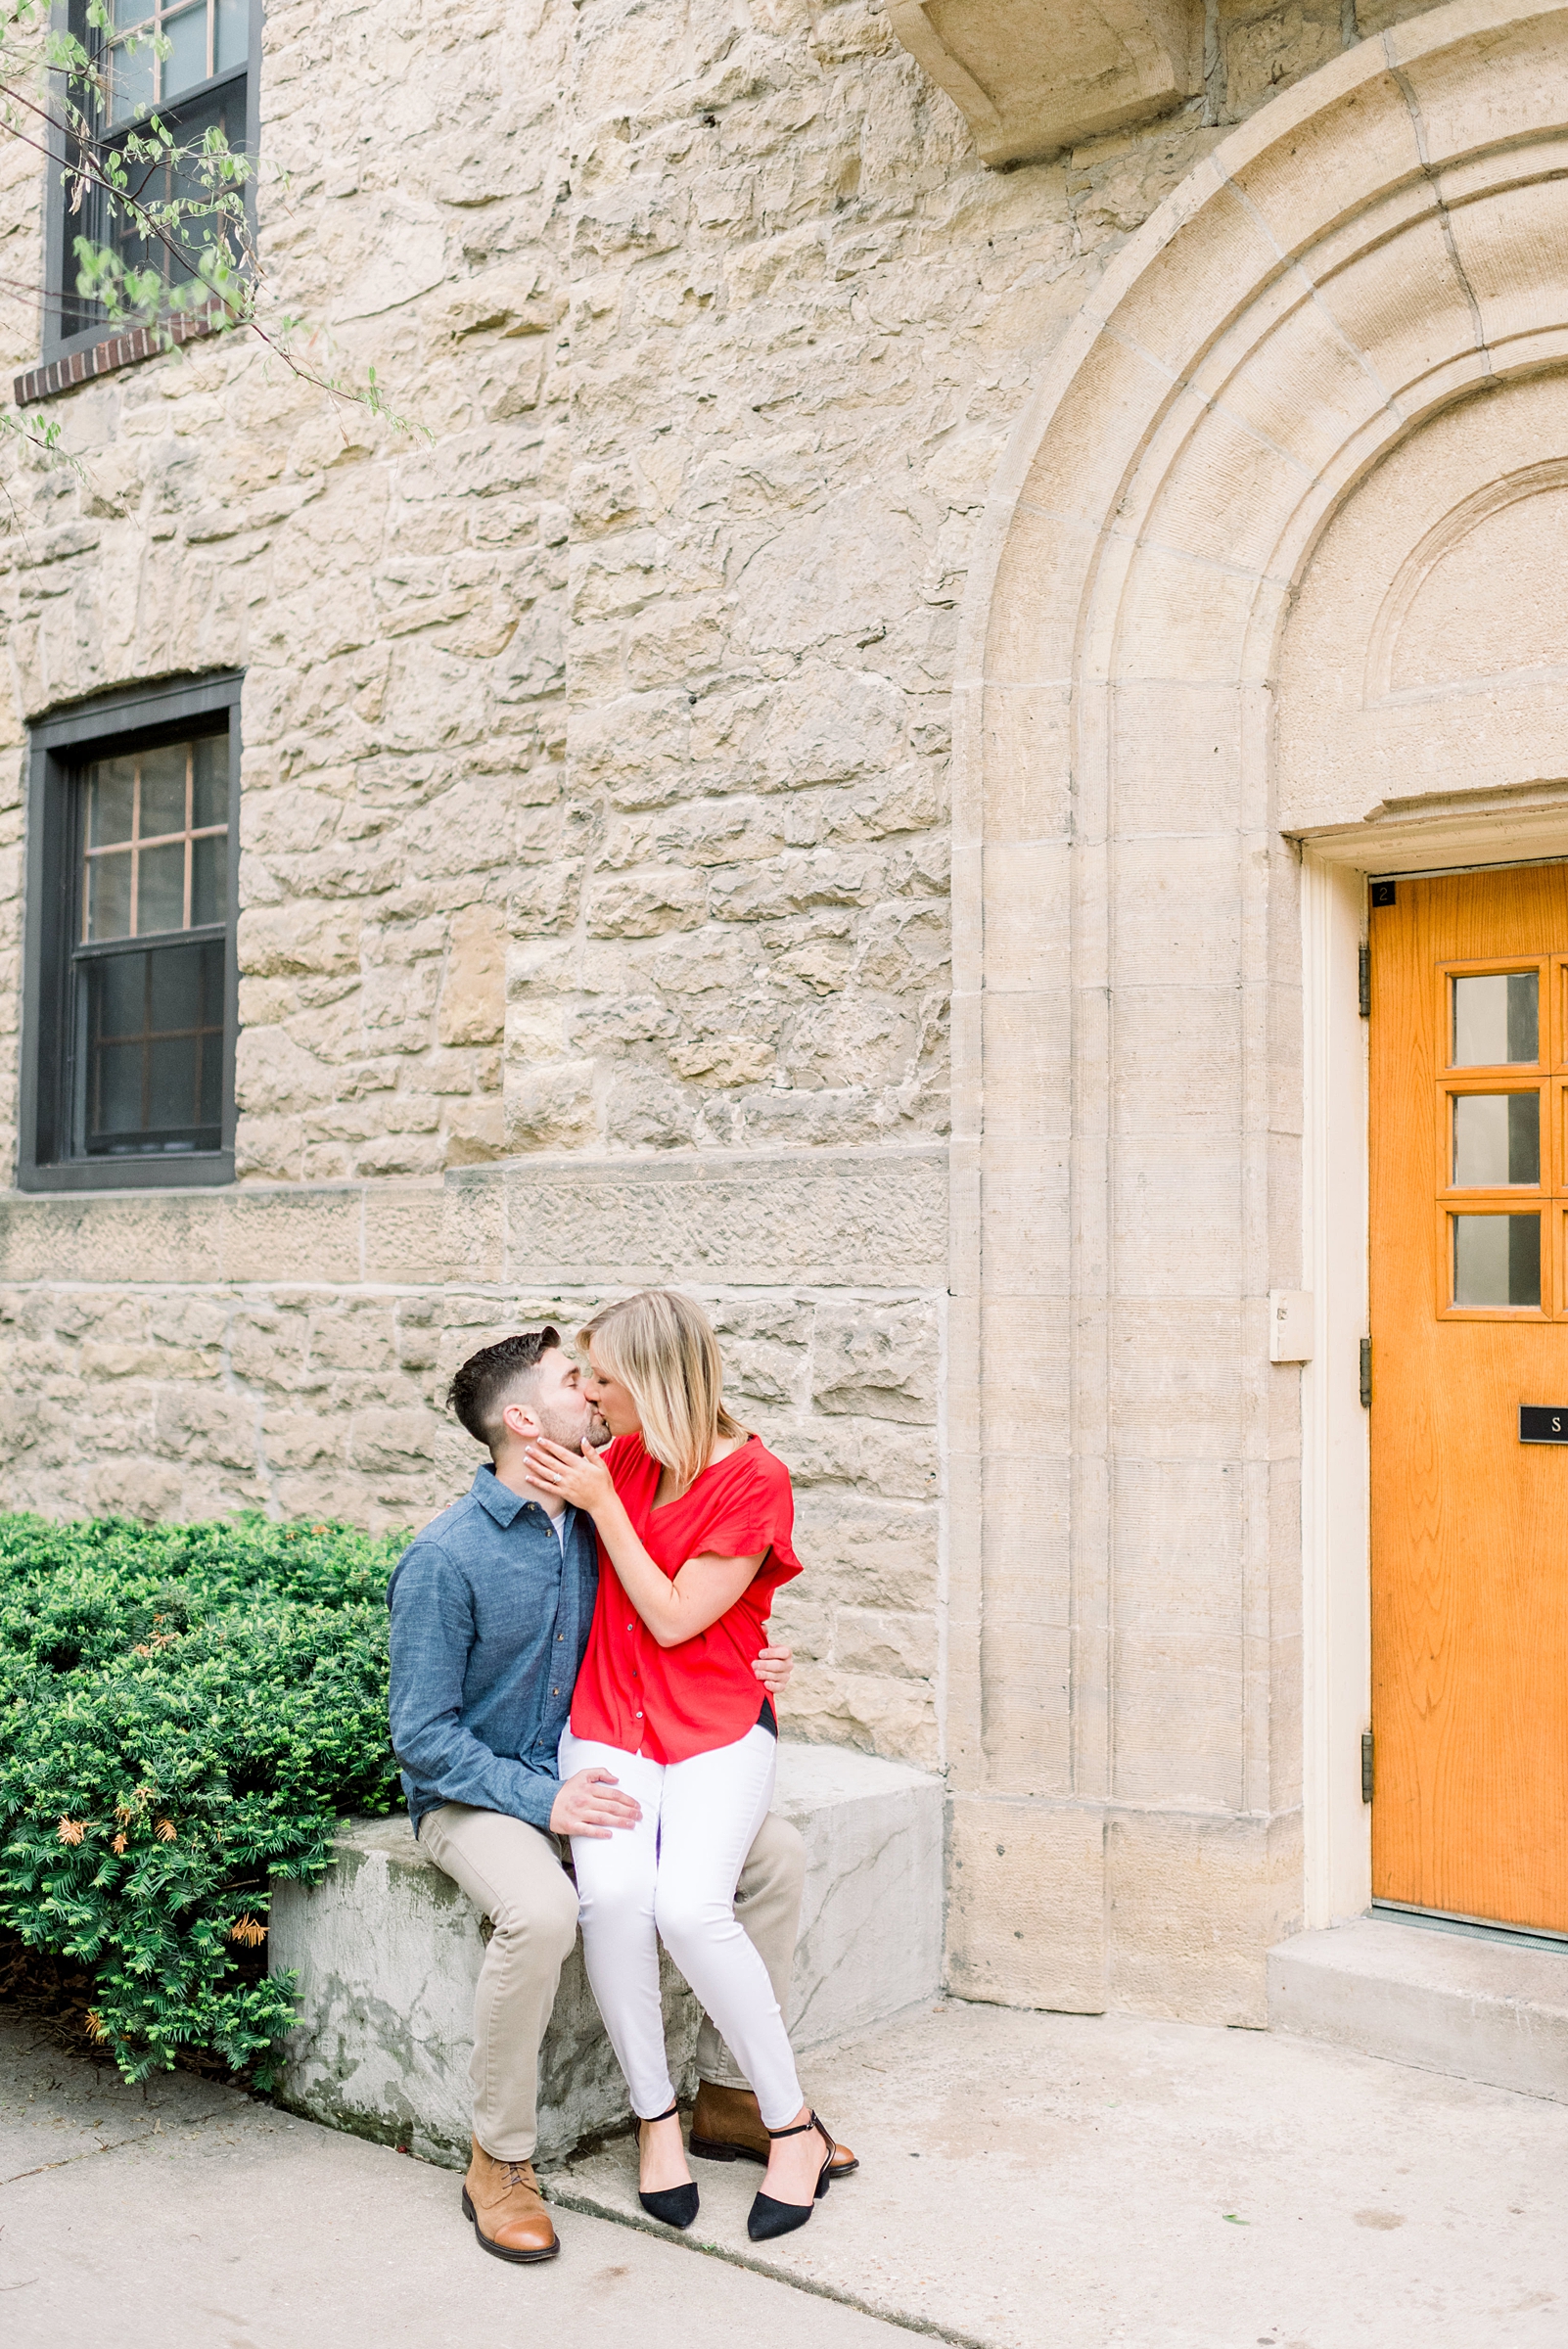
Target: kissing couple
[580,1654]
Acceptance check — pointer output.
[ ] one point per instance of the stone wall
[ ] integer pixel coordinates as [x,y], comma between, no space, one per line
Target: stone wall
[595,778]
[288,1350]
[595,748]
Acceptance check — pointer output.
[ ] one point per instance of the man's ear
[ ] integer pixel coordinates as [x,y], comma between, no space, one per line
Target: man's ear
[518,1421]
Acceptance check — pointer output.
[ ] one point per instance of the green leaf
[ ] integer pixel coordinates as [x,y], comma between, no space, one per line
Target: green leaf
[224,1682]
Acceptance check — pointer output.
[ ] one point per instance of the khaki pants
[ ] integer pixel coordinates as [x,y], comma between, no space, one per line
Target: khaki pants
[511,1871]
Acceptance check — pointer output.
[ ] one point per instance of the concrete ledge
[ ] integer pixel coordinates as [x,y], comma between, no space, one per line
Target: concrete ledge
[387,1952]
[1445,2001]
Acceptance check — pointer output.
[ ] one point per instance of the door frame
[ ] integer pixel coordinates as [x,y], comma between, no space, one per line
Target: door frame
[1336,865]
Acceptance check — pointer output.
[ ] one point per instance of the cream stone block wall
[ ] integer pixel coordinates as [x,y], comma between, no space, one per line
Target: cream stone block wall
[634,678]
[288,1347]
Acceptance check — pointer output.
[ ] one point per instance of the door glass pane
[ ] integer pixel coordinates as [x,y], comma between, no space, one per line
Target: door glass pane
[1496,1259]
[1495,1019]
[1497,1139]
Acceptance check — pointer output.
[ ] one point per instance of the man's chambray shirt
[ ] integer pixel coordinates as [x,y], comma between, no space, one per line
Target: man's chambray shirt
[490,1617]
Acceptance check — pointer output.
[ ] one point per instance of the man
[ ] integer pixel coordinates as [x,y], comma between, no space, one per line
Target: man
[490,1610]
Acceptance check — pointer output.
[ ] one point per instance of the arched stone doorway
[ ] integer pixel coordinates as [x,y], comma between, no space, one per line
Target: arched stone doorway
[1294,431]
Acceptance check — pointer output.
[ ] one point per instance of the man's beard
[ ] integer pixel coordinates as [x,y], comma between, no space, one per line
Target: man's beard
[567,1430]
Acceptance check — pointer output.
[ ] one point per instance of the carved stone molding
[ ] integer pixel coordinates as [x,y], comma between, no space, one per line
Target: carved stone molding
[1032,75]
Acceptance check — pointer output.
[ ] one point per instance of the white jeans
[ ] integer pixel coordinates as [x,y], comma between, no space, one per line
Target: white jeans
[673,1876]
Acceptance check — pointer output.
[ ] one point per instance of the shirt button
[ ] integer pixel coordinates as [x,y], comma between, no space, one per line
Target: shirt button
[555,1692]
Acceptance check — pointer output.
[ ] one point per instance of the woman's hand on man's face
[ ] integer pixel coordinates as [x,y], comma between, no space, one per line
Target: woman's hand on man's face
[579,1478]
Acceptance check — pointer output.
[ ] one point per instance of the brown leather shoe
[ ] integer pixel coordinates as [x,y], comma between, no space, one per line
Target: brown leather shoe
[504,2202]
[726,2126]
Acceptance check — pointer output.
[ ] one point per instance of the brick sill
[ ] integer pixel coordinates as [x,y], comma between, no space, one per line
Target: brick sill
[123,349]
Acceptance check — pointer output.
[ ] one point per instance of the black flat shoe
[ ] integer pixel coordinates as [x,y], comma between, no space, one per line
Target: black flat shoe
[671,2205]
[769,2218]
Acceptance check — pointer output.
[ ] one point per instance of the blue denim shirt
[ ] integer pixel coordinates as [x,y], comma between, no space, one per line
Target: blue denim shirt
[489,1618]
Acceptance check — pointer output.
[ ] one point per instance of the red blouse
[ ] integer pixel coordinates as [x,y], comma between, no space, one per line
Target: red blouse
[672,1703]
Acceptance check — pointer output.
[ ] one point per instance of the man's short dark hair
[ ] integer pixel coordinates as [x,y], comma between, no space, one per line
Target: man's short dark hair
[482,1387]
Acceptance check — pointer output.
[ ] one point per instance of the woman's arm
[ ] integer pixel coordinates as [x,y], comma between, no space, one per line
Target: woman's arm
[704,1589]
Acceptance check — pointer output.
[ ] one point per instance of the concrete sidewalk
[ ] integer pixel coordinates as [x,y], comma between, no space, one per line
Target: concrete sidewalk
[1030,2181]
[183,2216]
[1067,2182]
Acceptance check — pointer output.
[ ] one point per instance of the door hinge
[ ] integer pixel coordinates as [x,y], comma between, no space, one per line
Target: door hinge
[1364,976]
[1367,1766]
[1367,1374]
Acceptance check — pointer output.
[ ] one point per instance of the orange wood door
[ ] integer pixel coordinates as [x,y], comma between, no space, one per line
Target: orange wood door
[1469,1320]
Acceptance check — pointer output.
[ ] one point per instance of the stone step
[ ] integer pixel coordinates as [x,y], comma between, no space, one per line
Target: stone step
[1480,2008]
[388,1951]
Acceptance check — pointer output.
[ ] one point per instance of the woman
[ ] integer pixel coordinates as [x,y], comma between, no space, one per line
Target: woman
[694,1517]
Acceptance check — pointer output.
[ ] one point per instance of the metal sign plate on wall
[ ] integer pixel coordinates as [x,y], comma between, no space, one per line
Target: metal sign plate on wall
[1543,1423]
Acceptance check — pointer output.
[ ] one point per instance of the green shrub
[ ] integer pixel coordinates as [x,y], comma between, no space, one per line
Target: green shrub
[184,1712]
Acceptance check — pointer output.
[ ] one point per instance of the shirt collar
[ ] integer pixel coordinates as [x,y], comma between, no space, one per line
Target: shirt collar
[499,1502]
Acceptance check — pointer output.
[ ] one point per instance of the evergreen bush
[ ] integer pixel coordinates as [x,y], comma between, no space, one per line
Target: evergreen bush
[185,1710]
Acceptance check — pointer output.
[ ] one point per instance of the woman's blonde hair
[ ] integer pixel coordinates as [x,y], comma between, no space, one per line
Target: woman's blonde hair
[662,1348]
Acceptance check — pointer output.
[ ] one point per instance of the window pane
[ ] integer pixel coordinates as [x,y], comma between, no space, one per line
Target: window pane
[120,995]
[186,63]
[233,33]
[209,877]
[1496,1259]
[161,183]
[172,1091]
[119,1092]
[109,880]
[1496,1139]
[163,789]
[161,890]
[1495,1019]
[209,1092]
[210,799]
[126,15]
[111,793]
[154,1030]
[130,77]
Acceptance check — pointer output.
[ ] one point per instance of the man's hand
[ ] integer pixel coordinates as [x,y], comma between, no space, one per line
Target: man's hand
[589,1804]
[773,1667]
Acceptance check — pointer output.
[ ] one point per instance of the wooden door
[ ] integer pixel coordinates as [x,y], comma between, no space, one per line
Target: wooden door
[1470,1321]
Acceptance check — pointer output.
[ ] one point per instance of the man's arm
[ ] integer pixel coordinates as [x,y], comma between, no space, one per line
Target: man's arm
[432,1634]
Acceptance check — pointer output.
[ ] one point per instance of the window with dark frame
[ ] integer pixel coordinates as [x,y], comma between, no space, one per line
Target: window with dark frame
[148,959]
[129,1020]
[205,81]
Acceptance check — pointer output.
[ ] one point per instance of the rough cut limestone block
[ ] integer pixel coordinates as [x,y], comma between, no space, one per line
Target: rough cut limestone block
[1445,2001]
[387,1952]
